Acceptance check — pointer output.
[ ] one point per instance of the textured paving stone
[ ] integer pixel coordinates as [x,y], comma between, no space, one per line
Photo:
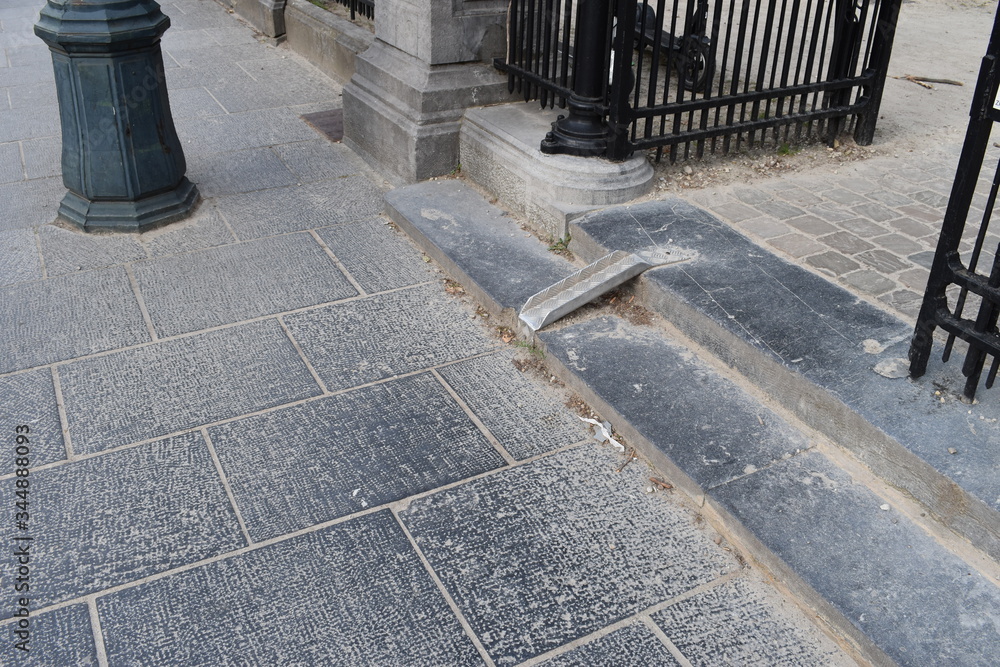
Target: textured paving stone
[362,449]
[21,260]
[318,160]
[179,384]
[832,262]
[240,171]
[846,243]
[862,227]
[351,594]
[33,95]
[193,102]
[914,228]
[274,89]
[919,602]
[744,623]
[374,338]
[315,205]
[237,282]
[43,157]
[525,419]
[67,251]
[869,282]
[58,638]
[766,228]
[541,561]
[710,429]
[779,210]
[797,245]
[126,515]
[898,244]
[10,163]
[631,646]
[377,256]
[29,399]
[809,224]
[239,131]
[63,318]
[882,260]
[30,203]
[204,229]
[735,212]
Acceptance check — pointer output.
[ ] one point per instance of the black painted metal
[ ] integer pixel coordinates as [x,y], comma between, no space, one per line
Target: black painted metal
[364,7]
[685,74]
[948,268]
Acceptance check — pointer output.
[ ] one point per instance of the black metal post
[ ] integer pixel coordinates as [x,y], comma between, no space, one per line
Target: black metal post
[584,132]
[885,32]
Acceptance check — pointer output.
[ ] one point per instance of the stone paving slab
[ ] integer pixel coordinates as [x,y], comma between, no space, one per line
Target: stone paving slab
[182,383]
[377,257]
[631,646]
[519,570]
[319,160]
[238,171]
[42,157]
[30,399]
[204,229]
[117,518]
[10,163]
[708,426]
[742,623]
[239,131]
[193,102]
[348,453]
[351,594]
[476,242]
[57,639]
[921,604]
[71,250]
[238,282]
[371,339]
[30,203]
[526,421]
[320,204]
[21,259]
[62,318]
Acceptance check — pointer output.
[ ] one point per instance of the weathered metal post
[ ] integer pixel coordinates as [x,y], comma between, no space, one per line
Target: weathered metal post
[584,131]
[121,159]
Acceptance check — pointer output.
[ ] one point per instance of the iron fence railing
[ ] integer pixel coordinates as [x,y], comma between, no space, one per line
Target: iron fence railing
[364,7]
[706,73]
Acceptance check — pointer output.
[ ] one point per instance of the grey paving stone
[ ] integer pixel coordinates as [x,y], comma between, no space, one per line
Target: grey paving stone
[882,261]
[919,602]
[933,199]
[862,227]
[318,160]
[889,198]
[924,259]
[735,212]
[923,213]
[811,225]
[797,245]
[845,242]
[238,282]
[858,184]
[534,559]
[67,317]
[193,102]
[43,157]
[21,260]
[370,339]
[525,419]
[34,95]
[710,429]
[11,77]
[147,509]
[239,131]
[57,638]
[185,39]
[363,449]
[751,196]
[207,51]
[11,170]
[179,384]
[797,195]
[829,212]
[234,35]
[15,125]
[842,196]
[766,228]
[29,55]
[320,204]
[30,203]
[206,74]
[632,646]
[915,279]
[779,210]
[351,594]
[875,212]
[897,244]
[914,228]
[905,301]
[743,623]
[204,229]
[67,251]
[832,262]
[869,282]
[377,256]
[274,89]
[29,399]
[240,171]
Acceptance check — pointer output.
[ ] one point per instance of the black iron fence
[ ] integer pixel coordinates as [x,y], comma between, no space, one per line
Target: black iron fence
[679,74]
[364,7]
[956,272]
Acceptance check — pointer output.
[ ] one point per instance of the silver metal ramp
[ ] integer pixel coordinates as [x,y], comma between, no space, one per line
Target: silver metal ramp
[591,282]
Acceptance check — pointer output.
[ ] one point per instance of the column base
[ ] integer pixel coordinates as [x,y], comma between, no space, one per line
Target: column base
[130,216]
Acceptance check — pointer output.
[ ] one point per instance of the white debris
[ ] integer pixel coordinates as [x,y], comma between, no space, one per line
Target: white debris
[605,432]
[884,508]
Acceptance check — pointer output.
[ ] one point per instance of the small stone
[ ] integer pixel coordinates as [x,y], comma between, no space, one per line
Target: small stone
[884,508]
[688,170]
[649,489]
[952,450]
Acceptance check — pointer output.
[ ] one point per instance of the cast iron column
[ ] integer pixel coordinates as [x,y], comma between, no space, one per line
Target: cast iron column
[121,159]
[584,131]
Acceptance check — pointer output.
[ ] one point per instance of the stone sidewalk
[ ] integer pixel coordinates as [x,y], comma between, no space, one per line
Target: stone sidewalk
[272,434]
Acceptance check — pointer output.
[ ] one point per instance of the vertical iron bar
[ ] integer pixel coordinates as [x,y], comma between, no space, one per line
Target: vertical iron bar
[888,15]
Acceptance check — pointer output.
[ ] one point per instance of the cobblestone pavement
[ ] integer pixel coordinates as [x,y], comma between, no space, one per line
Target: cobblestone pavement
[270,435]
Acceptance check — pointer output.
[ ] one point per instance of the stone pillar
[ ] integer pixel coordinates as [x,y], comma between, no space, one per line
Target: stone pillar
[266,16]
[431,60]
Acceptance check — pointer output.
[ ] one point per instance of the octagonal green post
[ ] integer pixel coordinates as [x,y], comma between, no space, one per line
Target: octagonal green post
[121,160]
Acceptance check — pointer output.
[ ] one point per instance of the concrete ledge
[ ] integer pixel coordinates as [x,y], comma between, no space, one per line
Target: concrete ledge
[324,39]
[265,16]
[499,152]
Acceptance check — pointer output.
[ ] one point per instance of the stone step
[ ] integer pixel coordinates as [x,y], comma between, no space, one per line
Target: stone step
[876,576]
